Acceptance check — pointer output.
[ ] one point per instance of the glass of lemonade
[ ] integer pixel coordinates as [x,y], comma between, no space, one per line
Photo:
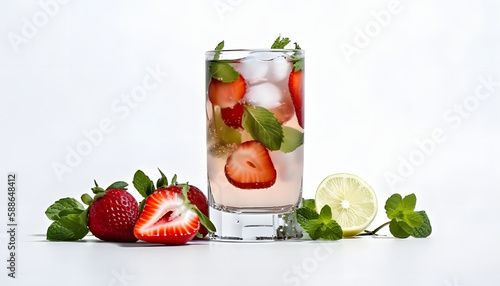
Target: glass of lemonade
[255,135]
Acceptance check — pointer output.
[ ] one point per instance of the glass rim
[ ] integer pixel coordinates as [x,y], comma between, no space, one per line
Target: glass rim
[257,50]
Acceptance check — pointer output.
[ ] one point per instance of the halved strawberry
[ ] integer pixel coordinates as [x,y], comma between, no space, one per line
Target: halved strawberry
[296,86]
[167,218]
[232,115]
[250,167]
[197,198]
[226,94]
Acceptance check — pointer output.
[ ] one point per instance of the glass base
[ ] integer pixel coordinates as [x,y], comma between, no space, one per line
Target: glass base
[254,226]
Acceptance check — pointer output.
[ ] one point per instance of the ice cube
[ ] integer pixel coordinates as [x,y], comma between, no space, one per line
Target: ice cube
[253,69]
[279,69]
[266,95]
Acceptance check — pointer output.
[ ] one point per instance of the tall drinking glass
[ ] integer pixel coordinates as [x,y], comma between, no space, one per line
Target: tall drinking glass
[255,135]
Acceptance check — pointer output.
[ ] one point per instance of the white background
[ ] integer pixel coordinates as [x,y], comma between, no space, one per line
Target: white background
[371,112]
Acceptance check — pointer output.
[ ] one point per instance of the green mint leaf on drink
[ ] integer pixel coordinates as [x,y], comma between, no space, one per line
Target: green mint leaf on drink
[218,48]
[68,228]
[221,70]
[292,139]
[62,207]
[280,43]
[425,229]
[263,126]
[224,72]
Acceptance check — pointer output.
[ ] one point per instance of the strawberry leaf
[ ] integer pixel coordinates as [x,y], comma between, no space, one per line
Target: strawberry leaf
[162,181]
[204,220]
[87,199]
[118,185]
[142,183]
[263,126]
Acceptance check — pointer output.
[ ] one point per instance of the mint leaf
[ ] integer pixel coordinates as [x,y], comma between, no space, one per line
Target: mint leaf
[263,126]
[309,203]
[219,47]
[280,43]
[391,206]
[397,230]
[312,227]
[223,72]
[298,65]
[331,231]
[297,47]
[425,229]
[305,214]
[405,227]
[292,139]
[413,219]
[68,228]
[408,202]
[70,204]
[142,183]
[326,214]
[66,212]
[118,185]
[319,226]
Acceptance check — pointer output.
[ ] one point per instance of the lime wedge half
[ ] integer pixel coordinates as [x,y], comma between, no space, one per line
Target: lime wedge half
[352,200]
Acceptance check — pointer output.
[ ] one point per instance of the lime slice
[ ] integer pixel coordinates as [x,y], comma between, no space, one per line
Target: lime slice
[352,200]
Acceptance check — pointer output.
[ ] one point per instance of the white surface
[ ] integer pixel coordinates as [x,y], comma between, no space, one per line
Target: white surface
[363,116]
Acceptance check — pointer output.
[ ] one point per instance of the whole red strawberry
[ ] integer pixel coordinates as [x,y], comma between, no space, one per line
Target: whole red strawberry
[112,213]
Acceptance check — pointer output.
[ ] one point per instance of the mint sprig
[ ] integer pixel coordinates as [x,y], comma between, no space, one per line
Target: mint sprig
[68,222]
[404,220]
[280,43]
[221,70]
[318,226]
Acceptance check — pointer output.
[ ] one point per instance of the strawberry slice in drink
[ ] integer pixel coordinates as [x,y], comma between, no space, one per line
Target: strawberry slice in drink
[250,167]
[296,87]
[232,115]
[226,94]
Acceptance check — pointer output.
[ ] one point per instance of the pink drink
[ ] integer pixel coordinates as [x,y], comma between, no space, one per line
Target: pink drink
[255,130]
